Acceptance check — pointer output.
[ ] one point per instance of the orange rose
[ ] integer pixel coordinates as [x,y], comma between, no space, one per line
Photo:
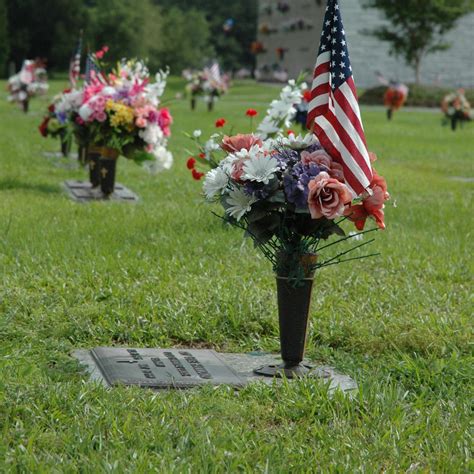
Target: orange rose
[371,206]
[327,197]
[240,142]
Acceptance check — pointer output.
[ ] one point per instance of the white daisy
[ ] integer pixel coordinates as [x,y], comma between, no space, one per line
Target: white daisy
[239,203]
[260,168]
[298,142]
[215,182]
[197,133]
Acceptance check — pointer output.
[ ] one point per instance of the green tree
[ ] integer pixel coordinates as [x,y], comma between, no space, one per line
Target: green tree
[184,40]
[4,45]
[417,28]
[118,24]
[232,48]
[48,28]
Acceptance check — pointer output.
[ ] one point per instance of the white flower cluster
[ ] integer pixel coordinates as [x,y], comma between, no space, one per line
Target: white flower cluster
[156,89]
[254,165]
[281,111]
[155,138]
[68,102]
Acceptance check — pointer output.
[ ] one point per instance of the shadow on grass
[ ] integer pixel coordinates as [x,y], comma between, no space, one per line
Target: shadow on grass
[8,184]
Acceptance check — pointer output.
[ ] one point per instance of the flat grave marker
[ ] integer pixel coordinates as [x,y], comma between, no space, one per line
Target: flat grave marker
[82,191]
[180,368]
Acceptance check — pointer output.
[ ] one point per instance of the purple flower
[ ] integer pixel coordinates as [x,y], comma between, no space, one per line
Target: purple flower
[257,190]
[295,183]
[286,158]
[62,118]
[314,147]
[153,116]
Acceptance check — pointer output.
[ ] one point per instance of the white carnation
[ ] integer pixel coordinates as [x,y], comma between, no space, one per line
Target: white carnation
[152,134]
[163,160]
[215,182]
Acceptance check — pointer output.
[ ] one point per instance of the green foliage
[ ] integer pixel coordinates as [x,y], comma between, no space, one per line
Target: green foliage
[419,95]
[179,34]
[120,25]
[232,48]
[184,39]
[46,29]
[417,27]
[4,40]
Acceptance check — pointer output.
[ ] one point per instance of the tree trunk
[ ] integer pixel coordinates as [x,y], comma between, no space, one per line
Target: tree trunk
[418,71]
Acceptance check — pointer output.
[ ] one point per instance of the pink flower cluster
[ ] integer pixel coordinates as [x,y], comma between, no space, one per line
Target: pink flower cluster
[165,120]
[321,158]
[97,105]
[150,115]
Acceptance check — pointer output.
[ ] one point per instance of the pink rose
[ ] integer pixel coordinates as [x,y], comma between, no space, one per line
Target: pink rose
[240,142]
[318,157]
[101,116]
[337,171]
[327,197]
[140,122]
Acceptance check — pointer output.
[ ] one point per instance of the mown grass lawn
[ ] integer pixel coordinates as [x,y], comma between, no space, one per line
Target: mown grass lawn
[166,272]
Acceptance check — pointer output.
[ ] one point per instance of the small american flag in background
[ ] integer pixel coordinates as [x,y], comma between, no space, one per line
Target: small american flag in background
[93,71]
[75,64]
[215,72]
[334,113]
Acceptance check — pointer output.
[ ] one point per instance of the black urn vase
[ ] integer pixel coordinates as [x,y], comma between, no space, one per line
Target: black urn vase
[93,158]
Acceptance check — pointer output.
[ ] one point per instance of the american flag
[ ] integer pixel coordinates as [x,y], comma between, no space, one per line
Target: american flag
[215,72]
[75,64]
[334,113]
[93,70]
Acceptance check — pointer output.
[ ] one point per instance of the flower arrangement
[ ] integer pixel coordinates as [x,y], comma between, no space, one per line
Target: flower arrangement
[289,195]
[31,81]
[56,123]
[283,189]
[394,98]
[206,83]
[257,47]
[456,108]
[120,111]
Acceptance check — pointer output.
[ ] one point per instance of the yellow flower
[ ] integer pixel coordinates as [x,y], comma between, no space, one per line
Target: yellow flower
[120,114]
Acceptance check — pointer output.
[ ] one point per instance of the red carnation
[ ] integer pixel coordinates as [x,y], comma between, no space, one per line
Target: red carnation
[307,96]
[190,163]
[251,113]
[43,128]
[197,175]
[220,122]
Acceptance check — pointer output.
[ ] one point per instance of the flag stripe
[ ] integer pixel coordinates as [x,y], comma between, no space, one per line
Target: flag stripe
[329,147]
[352,135]
[344,154]
[334,113]
[346,92]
